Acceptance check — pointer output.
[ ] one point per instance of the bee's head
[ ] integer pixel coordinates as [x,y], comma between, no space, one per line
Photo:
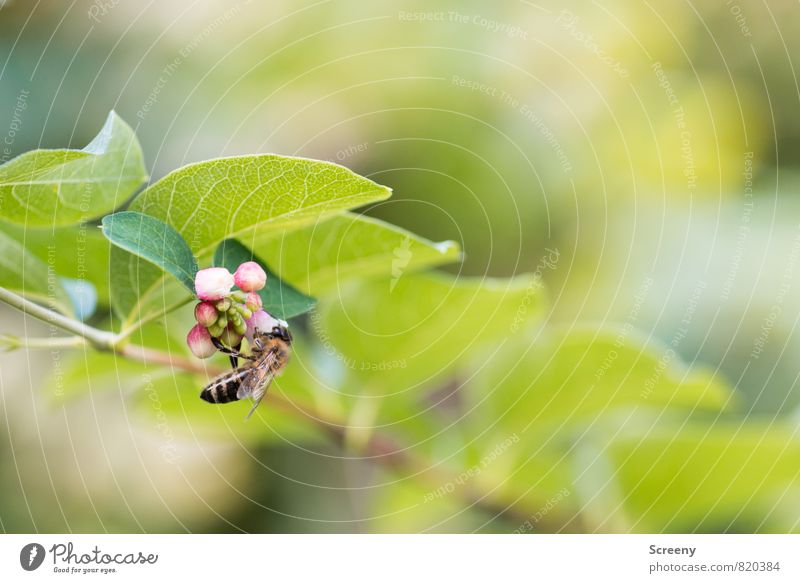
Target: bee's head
[280,331]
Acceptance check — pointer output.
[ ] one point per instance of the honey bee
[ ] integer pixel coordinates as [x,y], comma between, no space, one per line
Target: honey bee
[268,356]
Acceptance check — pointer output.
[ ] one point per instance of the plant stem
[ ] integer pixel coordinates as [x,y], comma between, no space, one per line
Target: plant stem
[13,342]
[98,338]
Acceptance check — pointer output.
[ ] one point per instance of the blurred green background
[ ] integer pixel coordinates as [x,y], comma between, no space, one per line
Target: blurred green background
[649,148]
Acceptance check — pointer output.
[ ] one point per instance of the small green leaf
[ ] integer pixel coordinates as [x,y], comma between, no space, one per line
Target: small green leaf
[23,272]
[280,299]
[153,240]
[62,187]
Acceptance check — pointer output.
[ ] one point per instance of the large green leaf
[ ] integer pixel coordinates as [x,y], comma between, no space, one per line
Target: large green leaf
[566,378]
[23,272]
[280,299]
[153,240]
[61,187]
[740,477]
[82,252]
[320,257]
[396,334]
[234,198]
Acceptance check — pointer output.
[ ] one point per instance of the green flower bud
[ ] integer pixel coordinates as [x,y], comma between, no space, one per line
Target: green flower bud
[240,327]
[239,296]
[215,329]
[223,305]
[222,321]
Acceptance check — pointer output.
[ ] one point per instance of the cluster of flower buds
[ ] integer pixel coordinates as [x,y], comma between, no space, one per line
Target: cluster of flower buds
[225,313]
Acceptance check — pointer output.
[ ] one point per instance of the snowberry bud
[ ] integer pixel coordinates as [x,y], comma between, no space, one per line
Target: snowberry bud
[250,276]
[253,302]
[223,305]
[230,336]
[240,327]
[199,341]
[261,321]
[215,329]
[205,313]
[213,283]
[222,320]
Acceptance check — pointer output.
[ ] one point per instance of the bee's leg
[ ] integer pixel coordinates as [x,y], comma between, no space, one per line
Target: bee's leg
[233,353]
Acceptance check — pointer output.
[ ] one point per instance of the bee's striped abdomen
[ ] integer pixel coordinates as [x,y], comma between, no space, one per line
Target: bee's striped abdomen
[223,389]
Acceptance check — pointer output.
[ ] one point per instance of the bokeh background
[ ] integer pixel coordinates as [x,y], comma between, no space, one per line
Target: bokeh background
[651,146]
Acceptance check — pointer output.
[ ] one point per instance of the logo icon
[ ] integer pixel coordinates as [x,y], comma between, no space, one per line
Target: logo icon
[31,556]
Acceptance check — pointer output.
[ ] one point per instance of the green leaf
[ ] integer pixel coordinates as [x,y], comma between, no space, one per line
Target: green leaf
[280,299]
[319,258]
[233,197]
[62,187]
[226,198]
[154,241]
[23,272]
[425,327]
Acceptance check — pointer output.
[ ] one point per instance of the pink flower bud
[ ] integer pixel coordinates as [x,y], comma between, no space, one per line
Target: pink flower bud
[253,302]
[205,313]
[199,341]
[213,283]
[250,277]
[260,321]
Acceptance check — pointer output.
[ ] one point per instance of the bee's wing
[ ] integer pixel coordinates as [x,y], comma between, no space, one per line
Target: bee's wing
[257,383]
[259,393]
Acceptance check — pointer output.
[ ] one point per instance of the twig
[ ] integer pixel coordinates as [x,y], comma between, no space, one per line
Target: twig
[98,338]
[13,342]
